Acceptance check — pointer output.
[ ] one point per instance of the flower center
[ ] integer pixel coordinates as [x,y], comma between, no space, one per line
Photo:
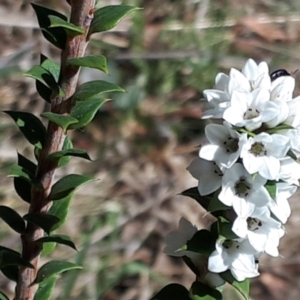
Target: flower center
[258,149]
[251,114]
[242,188]
[254,224]
[231,145]
[231,245]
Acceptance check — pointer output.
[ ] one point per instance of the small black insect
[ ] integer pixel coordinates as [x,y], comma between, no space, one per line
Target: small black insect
[279,73]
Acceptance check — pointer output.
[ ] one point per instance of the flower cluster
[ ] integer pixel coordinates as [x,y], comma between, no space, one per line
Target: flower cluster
[247,170]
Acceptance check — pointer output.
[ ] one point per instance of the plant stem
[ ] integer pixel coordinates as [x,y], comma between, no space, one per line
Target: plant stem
[81,15]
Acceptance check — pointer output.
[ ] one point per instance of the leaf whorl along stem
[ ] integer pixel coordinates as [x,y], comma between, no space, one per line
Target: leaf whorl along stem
[81,16]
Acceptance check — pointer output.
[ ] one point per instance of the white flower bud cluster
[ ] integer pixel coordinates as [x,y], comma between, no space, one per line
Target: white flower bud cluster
[250,162]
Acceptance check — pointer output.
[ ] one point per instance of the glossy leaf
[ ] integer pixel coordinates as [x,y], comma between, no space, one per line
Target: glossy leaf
[225,229]
[52,268]
[60,209]
[216,205]
[84,112]
[61,120]
[45,289]
[67,185]
[173,291]
[23,187]
[204,201]
[202,242]
[56,36]
[242,286]
[3,296]
[31,127]
[70,28]
[94,88]
[201,291]
[8,258]
[66,146]
[69,152]
[48,248]
[271,188]
[18,171]
[108,17]
[12,218]
[59,239]
[45,221]
[93,61]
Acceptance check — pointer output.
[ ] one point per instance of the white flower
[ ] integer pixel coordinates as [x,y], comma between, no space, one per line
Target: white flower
[250,110]
[293,117]
[243,192]
[178,238]
[283,109]
[236,256]
[262,231]
[282,88]
[263,152]
[289,171]
[224,148]
[280,206]
[208,174]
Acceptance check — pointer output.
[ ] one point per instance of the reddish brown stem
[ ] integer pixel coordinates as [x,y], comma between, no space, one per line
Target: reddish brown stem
[81,15]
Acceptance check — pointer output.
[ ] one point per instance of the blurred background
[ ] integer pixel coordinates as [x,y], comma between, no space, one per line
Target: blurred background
[164,56]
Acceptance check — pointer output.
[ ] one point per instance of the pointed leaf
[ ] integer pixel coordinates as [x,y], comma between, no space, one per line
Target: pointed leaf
[18,171]
[3,296]
[52,268]
[11,272]
[225,229]
[67,185]
[108,17]
[173,291]
[31,127]
[56,36]
[94,61]
[69,152]
[278,128]
[271,188]
[202,242]
[95,88]
[60,209]
[45,289]
[201,291]
[70,28]
[8,258]
[59,239]
[45,221]
[61,120]
[242,286]
[48,248]
[23,187]
[12,218]
[216,205]
[84,112]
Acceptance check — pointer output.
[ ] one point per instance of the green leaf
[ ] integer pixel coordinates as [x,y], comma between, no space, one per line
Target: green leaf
[56,36]
[3,296]
[191,265]
[12,218]
[94,61]
[45,289]
[193,192]
[48,248]
[173,291]
[59,239]
[69,152]
[66,146]
[94,88]
[52,268]
[202,242]
[23,187]
[11,272]
[242,286]
[108,17]
[216,205]
[70,28]
[31,127]
[84,112]
[45,221]
[8,258]
[20,172]
[279,127]
[46,78]
[67,185]
[225,229]
[271,187]
[61,120]
[292,155]
[60,209]
[201,291]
